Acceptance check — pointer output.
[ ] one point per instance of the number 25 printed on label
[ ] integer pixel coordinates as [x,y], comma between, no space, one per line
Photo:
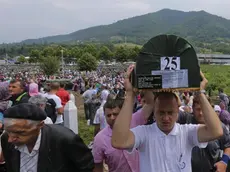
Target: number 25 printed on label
[170,63]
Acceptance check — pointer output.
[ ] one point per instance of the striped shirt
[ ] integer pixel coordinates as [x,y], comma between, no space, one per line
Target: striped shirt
[29,160]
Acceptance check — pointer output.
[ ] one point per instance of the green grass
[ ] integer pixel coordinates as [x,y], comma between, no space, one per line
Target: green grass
[85,132]
[215,68]
[218,75]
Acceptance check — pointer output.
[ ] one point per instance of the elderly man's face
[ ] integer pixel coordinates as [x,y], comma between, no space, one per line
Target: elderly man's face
[21,132]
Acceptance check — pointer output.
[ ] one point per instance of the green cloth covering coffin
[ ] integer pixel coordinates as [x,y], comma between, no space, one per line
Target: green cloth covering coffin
[167,62]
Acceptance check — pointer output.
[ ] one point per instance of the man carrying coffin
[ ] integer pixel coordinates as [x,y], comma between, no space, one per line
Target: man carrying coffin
[164,146]
[28,145]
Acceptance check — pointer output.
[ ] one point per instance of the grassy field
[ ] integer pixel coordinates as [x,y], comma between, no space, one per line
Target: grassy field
[86,132]
[218,77]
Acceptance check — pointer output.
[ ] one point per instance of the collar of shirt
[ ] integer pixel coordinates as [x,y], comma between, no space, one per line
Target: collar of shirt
[103,103]
[108,131]
[174,132]
[24,148]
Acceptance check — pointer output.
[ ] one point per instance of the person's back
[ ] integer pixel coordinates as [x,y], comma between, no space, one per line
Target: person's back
[50,109]
[223,98]
[87,95]
[63,94]
[43,103]
[104,93]
[99,119]
[54,87]
[224,116]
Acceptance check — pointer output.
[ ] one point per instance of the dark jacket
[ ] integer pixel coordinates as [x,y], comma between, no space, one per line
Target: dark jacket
[20,98]
[60,151]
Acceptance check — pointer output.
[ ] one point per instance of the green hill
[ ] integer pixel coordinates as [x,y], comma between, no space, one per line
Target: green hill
[196,26]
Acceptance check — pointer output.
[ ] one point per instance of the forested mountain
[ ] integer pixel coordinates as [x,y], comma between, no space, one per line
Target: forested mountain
[196,26]
[208,33]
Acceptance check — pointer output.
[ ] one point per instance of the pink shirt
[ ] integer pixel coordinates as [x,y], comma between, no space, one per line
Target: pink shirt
[138,119]
[116,159]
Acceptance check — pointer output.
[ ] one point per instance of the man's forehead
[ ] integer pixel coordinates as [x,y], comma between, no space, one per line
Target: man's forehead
[196,105]
[112,109]
[10,122]
[166,104]
[162,99]
[15,83]
[167,108]
[116,109]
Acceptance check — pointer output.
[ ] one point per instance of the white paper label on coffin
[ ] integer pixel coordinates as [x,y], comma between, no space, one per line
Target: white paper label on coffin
[173,78]
[170,63]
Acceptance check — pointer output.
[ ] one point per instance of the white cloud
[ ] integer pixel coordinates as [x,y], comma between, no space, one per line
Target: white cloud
[23,19]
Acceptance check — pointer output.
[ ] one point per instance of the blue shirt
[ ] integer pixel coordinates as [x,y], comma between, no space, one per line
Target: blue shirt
[1,117]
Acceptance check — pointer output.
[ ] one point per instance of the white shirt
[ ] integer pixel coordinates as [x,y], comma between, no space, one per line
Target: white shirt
[190,100]
[29,161]
[58,105]
[88,94]
[104,95]
[100,117]
[48,121]
[166,153]
[181,108]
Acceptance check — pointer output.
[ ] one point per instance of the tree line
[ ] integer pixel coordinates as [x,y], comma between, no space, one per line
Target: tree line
[86,55]
[105,52]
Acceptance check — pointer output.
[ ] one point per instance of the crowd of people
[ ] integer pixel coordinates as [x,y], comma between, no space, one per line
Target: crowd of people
[152,126]
[139,131]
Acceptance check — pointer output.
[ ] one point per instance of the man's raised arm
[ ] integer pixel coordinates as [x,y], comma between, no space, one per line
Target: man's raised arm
[212,128]
[122,137]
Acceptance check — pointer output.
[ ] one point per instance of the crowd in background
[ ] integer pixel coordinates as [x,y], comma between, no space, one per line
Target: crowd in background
[103,97]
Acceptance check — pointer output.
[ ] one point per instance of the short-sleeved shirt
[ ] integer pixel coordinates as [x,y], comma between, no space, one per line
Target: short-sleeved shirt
[63,95]
[100,117]
[104,94]
[166,153]
[116,159]
[88,94]
[138,119]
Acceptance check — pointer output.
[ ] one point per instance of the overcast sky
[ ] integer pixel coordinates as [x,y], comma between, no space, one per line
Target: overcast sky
[23,19]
